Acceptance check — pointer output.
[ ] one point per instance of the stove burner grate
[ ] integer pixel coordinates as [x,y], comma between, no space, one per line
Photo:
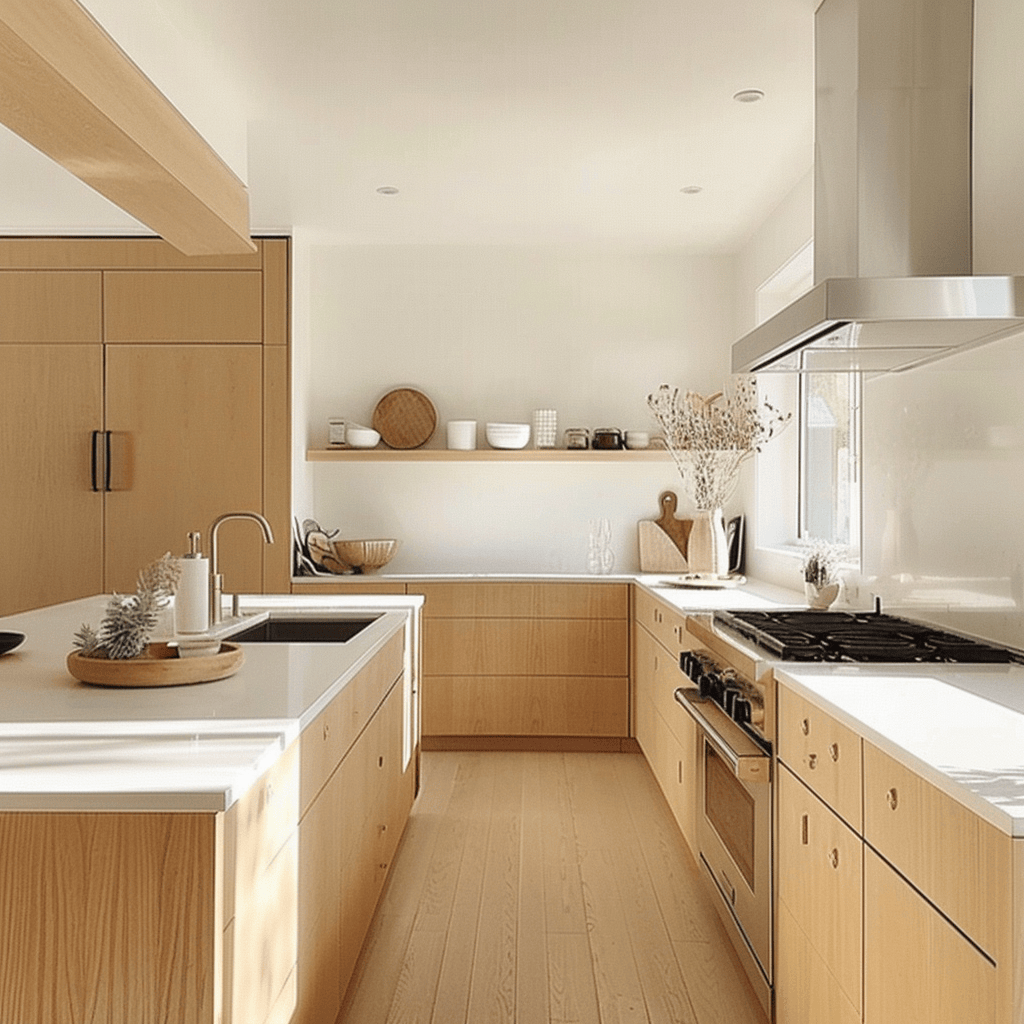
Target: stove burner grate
[859,637]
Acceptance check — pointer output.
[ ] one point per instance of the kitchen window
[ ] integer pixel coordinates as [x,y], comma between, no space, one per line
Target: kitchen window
[830,458]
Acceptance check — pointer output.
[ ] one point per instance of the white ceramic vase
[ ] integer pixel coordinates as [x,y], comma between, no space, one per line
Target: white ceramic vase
[708,547]
[821,597]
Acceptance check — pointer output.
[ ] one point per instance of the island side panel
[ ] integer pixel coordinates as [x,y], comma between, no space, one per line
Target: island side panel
[110,918]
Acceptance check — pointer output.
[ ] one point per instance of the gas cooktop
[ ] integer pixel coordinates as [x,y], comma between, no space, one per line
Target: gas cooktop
[858,637]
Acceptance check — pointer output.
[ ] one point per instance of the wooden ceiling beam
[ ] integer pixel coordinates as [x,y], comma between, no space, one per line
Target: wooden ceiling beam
[71,92]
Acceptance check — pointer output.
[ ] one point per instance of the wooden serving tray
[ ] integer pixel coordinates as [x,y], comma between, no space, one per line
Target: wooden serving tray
[160,666]
[405,418]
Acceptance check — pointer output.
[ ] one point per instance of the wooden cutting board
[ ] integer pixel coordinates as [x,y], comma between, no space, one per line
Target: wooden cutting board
[663,541]
[405,418]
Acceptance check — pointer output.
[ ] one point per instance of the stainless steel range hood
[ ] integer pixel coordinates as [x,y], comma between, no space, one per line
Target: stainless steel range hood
[893,246]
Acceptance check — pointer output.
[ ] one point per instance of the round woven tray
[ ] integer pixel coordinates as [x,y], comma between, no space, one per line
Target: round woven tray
[160,666]
[405,418]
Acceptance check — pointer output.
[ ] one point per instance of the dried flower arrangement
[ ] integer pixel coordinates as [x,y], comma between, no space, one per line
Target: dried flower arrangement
[130,619]
[821,563]
[710,438]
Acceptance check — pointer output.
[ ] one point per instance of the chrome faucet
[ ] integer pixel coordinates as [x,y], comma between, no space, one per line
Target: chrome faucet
[216,577]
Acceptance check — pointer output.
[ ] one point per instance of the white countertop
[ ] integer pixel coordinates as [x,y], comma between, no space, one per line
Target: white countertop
[65,745]
[959,727]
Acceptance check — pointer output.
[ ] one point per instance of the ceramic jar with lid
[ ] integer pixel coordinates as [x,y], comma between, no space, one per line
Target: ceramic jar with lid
[577,438]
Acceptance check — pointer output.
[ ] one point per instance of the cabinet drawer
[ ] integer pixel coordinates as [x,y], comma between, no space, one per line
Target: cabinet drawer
[665,624]
[822,752]
[958,860]
[657,674]
[820,880]
[918,968]
[526,647]
[327,738]
[258,826]
[526,706]
[525,600]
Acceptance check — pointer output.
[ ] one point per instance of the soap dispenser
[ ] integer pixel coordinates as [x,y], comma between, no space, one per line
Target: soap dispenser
[192,601]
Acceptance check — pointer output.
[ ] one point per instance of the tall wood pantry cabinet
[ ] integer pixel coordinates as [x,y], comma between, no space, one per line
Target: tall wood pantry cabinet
[144,393]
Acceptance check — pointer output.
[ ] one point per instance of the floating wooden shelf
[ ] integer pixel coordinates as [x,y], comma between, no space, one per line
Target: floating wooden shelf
[484,455]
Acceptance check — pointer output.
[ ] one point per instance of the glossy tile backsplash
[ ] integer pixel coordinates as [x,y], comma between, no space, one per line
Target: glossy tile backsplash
[944,491]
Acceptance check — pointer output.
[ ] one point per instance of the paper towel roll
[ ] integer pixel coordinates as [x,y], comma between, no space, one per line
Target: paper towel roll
[192,601]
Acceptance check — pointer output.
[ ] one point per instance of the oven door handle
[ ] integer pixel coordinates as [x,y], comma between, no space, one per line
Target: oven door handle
[750,763]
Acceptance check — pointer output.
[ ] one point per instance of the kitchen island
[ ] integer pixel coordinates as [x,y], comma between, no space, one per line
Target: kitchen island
[204,853]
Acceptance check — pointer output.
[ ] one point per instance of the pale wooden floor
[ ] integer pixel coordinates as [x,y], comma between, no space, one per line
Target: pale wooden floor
[545,888]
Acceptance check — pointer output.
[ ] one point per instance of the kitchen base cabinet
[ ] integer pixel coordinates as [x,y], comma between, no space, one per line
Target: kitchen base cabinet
[667,735]
[357,791]
[819,893]
[525,662]
[919,969]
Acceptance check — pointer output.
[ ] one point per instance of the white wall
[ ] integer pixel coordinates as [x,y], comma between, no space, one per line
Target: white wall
[772,488]
[491,333]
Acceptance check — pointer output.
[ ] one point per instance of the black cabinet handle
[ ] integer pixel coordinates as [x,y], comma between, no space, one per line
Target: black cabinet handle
[96,457]
[106,461]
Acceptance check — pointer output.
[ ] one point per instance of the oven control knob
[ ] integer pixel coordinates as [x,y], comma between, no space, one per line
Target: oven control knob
[688,664]
[741,710]
[706,683]
[729,700]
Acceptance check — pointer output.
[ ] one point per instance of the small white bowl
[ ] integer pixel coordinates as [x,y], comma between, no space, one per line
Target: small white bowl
[361,437]
[508,435]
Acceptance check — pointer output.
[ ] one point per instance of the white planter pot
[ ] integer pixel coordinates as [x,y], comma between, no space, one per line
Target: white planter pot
[821,597]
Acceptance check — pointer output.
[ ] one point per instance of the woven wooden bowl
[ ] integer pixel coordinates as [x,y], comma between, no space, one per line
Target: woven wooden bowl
[363,556]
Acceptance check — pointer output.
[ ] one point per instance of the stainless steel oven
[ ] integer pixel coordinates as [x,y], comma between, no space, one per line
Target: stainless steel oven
[731,699]
[734,822]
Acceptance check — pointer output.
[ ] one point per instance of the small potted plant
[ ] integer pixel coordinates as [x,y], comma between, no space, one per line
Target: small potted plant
[821,574]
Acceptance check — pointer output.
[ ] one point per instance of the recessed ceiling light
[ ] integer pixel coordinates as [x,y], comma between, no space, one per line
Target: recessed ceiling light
[748,96]
[388,190]
[691,190]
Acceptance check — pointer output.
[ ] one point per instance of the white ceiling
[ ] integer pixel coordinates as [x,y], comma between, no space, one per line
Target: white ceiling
[500,121]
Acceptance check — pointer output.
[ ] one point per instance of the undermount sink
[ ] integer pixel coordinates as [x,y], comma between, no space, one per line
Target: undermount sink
[302,631]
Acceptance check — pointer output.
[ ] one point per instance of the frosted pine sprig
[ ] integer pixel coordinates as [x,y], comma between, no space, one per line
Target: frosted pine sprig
[709,438]
[130,619]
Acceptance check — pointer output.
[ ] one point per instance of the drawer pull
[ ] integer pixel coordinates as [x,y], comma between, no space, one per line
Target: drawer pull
[833,857]
[892,798]
[380,761]
[805,727]
[812,761]
[804,827]
[327,730]
[833,751]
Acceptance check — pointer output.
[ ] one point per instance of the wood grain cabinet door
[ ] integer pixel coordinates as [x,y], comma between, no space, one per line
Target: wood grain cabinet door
[51,521]
[187,424]
[820,887]
[918,968]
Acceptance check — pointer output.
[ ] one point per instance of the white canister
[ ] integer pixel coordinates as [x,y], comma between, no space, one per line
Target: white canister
[545,428]
[462,435]
[637,439]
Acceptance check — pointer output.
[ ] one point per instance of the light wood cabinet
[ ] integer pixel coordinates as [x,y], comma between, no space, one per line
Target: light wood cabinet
[823,753]
[51,521]
[937,844]
[667,735]
[820,888]
[913,918]
[184,370]
[919,969]
[525,661]
[356,792]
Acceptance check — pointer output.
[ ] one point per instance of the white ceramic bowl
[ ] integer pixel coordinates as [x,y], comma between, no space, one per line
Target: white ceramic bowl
[507,435]
[362,437]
